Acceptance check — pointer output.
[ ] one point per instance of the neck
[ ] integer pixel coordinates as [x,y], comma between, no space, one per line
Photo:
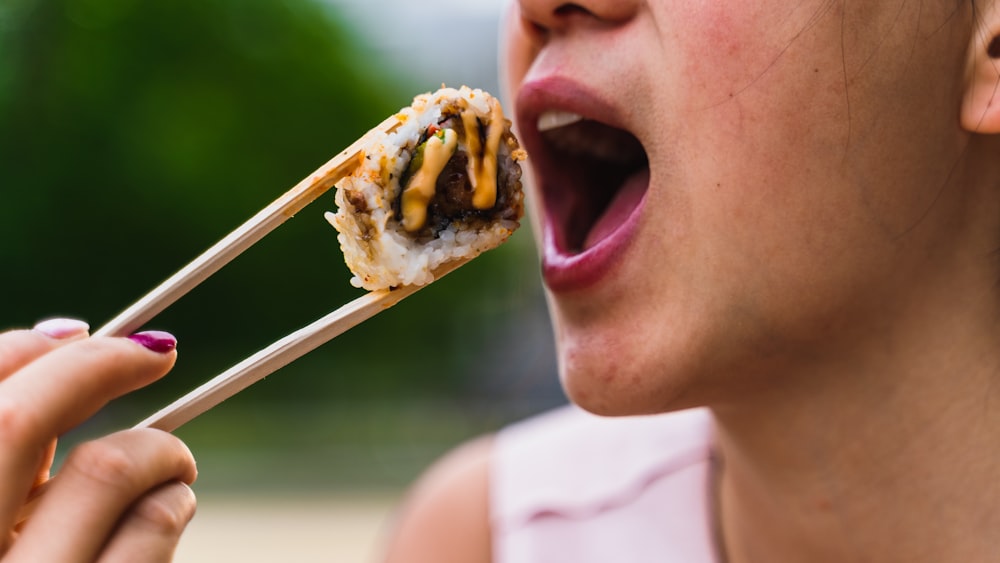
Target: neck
[889,455]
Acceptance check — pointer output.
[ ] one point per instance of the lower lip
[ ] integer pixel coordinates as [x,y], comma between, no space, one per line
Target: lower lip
[565,272]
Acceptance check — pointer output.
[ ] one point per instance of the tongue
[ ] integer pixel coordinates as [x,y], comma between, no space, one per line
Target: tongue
[621,206]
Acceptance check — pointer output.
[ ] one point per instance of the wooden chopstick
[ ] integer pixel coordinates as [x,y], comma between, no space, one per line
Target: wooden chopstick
[281,353]
[245,236]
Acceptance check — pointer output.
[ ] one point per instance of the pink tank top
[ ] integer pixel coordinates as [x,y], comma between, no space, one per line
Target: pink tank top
[571,487]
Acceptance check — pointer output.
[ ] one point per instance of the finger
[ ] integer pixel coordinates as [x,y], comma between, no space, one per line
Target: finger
[65,387]
[97,485]
[18,348]
[57,392]
[152,527]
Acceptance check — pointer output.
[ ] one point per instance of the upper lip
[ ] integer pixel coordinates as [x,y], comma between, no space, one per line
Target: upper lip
[562,198]
[560,94]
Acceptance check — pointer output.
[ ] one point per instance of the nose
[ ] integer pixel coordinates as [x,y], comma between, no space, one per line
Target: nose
[559,16]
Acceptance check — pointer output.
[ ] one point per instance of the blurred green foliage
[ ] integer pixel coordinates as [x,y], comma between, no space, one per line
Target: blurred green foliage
[136,133]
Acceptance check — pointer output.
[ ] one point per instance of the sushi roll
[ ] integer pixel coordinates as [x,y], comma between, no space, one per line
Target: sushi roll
[445,185]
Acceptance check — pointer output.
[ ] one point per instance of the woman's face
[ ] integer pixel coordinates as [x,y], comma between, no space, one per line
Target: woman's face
[753,186]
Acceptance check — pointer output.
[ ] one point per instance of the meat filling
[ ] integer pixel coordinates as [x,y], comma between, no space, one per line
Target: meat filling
[454,191]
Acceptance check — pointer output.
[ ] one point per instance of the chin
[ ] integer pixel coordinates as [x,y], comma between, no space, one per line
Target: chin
[614,372]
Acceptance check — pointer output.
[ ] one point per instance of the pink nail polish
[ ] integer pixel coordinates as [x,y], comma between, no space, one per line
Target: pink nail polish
[155,340]
[62,328]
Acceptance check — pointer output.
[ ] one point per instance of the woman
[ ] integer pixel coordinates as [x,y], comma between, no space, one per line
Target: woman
[124,497]
[777,222]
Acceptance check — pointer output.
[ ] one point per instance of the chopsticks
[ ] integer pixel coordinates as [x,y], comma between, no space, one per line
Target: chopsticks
[245,236]
[281,352]
[287,349]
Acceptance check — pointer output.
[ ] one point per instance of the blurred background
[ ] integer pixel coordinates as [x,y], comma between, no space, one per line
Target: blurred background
[136,133]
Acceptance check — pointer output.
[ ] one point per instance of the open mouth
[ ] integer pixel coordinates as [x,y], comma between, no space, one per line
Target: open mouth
[595,176]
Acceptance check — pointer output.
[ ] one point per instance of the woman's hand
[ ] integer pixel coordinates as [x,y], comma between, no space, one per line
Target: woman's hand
[124,497]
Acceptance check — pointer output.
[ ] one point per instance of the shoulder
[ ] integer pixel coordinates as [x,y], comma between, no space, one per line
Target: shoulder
[445,517]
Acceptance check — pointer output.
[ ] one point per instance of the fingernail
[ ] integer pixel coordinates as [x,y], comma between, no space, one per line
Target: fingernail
[62,328]
[155,340]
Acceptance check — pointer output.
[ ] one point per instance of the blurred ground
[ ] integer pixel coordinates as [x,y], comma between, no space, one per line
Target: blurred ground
[300,484]
[331,527]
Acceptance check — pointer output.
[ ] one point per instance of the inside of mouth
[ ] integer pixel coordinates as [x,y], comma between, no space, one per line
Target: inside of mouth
[593,161]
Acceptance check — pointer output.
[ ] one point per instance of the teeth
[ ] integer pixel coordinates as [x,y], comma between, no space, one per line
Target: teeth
[555,119]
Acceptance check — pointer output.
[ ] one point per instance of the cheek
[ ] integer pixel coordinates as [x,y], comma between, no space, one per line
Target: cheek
[722,48]
[720,28]
[726,54]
